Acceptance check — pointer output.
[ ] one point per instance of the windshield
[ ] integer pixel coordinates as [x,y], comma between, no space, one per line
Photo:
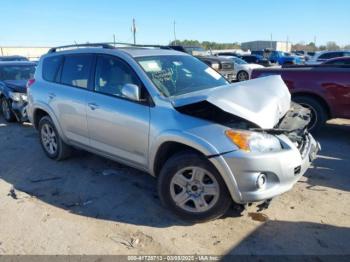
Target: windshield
[16,72]
[238,61]
[175,75]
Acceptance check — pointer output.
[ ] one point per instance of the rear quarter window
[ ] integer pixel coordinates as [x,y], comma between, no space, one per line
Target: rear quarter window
[76,70]
[51,68]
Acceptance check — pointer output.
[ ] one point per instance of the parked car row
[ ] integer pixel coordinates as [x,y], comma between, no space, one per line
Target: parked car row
[323,56]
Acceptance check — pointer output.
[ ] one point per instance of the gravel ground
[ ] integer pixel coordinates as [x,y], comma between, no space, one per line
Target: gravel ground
[90,205]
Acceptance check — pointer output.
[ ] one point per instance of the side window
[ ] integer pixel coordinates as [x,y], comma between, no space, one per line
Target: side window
[112,74]
[76,70]
[331,55]
[51,68]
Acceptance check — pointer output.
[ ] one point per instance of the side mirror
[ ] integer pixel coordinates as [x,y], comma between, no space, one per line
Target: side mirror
[131,92]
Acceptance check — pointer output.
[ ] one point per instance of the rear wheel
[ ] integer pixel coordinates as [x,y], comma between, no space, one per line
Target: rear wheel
[318,112]
[191,187]
[50,140]
[7,111]
[242,76]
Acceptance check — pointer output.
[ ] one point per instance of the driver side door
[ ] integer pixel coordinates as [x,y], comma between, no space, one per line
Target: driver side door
[118,127]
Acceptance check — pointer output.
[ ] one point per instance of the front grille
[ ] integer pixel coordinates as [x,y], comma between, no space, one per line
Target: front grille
[226,66]
[304,145]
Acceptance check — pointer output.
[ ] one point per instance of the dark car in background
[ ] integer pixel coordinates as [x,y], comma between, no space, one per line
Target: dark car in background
[279,57]
[192,50]
[222,65]
[13,58]
[324,89]
[13,95]
[256,59]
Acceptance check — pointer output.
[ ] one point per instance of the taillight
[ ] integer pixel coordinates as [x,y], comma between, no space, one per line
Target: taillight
[30,82]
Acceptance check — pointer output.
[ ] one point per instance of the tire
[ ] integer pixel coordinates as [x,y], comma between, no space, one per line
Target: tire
[242,76]
[7,111]
[50,140]
[179,170]
[319,114]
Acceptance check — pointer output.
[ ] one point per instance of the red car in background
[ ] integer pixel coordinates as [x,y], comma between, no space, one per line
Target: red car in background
[325,88]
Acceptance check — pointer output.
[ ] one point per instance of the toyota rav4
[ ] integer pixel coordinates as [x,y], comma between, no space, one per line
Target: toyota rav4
[209,143]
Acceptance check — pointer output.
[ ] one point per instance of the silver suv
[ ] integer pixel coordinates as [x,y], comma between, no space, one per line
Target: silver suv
[210,143]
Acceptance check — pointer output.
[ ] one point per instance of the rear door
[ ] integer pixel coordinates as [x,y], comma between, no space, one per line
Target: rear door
[67,97]
[117,126]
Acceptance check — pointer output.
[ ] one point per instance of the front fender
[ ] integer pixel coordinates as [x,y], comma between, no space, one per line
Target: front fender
[184,138]
[203,146]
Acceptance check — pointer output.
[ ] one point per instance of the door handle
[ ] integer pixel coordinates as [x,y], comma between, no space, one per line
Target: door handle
[93,106]
[52,96]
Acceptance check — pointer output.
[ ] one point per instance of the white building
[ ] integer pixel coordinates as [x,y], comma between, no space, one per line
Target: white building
[261,45]
[32,53]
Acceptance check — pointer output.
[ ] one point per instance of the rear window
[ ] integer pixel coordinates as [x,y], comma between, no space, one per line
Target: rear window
[51,66]
[17,72]
[76,70]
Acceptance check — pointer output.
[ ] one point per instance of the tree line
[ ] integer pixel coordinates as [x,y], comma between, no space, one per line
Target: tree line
[207,45]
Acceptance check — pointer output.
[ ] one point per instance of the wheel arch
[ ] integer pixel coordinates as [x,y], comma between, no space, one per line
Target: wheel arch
[167,150]
[40,111]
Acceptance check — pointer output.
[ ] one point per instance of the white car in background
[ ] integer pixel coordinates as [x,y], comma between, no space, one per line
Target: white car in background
[322,56]
[242,70]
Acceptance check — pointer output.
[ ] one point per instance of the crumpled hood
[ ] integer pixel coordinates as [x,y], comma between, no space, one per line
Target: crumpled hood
[16,85]
[262,101]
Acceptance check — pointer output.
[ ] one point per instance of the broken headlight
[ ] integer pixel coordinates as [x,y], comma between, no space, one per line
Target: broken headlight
[18,97]
[254,141]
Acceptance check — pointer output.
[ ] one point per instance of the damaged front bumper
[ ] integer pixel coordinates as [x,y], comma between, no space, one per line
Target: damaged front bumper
[228,74]
[19,108]
[281,169]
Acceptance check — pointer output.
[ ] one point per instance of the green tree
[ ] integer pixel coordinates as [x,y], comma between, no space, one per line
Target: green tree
[206,44]
[332,46]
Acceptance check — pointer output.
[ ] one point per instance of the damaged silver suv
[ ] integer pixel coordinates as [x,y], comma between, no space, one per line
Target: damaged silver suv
[209,142]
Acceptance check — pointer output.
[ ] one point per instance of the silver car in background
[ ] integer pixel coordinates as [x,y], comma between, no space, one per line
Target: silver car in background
[209,143]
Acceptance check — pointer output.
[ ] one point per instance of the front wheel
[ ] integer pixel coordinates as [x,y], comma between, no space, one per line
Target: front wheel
[242,76]
[7,111]
[50,140]
[192,188]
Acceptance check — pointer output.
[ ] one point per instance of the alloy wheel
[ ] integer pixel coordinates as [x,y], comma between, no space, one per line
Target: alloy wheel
[243,76]
[49,139]
[194,189]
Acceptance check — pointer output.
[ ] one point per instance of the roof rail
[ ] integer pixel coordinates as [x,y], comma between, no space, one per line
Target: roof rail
[107,45]
[136,45]
[102,45]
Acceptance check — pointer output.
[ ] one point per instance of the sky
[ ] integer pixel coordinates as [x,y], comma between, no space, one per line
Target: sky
[50,23]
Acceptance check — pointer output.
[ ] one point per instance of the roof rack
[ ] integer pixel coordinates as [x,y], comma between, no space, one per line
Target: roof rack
[114,44]
[102,45]
[107,45]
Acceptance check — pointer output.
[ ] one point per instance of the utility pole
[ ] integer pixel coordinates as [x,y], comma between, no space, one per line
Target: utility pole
[175,32]
[133,29]
[271,41]
[315,39]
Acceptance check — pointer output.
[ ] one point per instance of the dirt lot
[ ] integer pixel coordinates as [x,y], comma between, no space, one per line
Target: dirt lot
[89,205]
